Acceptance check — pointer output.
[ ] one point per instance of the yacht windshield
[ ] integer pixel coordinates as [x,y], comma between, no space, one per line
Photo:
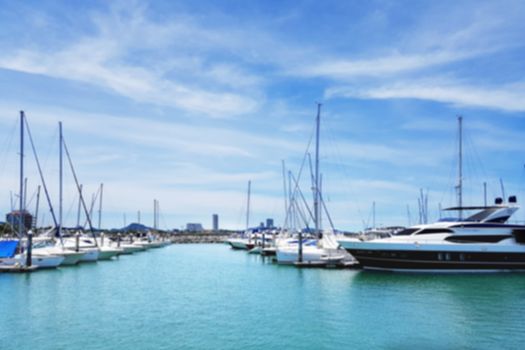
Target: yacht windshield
[407,232]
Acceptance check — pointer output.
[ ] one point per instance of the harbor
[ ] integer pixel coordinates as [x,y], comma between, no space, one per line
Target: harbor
[262,175]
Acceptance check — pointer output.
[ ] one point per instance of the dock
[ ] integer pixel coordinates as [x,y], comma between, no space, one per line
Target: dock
[17,269]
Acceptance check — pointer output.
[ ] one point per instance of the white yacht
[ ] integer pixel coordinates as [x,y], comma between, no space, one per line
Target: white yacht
[480,242]
[47,247]
[241,243]
[91,252]
[324,251]
[10,255]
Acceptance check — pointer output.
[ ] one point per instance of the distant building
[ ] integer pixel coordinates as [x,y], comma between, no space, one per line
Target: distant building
[13,219]
[215,219]
[194,227]
[269,223]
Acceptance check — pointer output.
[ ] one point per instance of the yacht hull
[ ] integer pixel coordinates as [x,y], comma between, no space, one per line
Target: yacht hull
[46,261]
[72,258]
[107,254]
[438,260]
[438,257]
[240,244]
[90,255]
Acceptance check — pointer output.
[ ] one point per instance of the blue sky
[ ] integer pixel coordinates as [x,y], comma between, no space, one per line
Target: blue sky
[185,101]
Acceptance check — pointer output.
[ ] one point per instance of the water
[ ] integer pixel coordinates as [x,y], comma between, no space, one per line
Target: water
[209,297]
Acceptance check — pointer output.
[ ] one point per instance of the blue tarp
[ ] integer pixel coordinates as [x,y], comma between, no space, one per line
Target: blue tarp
[7,249]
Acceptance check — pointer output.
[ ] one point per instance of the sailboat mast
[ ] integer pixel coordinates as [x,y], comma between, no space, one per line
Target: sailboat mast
[284,189]
[460,172]
[21,193]
[35,221]
[25,193]
[316,200]
[248,205]
[79,205]
[100,207]
[60,171]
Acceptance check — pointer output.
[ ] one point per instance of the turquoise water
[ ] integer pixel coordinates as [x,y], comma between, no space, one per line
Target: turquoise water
[210,297]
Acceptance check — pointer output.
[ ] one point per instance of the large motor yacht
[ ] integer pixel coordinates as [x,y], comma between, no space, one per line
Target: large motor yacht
[480,242]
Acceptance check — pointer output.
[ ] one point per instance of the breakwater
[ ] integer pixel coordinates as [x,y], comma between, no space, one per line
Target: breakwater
[183,238]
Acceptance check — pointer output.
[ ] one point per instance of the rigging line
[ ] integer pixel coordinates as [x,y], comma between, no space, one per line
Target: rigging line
[70,210]
[304,200]
[48,198]
[51,147]
[449,191]
[9,142]
[301,168]
[80,193]
[327,213]
[343,167]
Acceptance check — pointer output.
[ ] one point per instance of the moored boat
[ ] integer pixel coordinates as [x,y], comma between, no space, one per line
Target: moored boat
[481,242]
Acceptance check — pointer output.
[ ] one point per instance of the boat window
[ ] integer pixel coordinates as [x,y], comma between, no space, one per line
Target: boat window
[428,231]
[407,232]
[477,239]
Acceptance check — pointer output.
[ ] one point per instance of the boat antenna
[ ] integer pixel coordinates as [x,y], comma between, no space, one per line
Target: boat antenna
[485,193]
[502,189]
[374,214]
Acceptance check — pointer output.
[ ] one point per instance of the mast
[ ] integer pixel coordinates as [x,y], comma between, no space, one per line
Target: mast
[25,193]
[284,189]
[248,205]
[316,200]
[37,205]
[100,207]
[79,205]
[60,197]
[21,193]
[460,171]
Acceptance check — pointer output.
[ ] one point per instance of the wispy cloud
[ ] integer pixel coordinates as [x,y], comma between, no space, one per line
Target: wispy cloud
[111,59]
[508,97]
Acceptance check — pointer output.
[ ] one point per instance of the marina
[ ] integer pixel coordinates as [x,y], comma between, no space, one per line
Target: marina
[262,175]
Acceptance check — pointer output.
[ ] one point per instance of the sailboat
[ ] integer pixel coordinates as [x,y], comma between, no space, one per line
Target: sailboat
[304,250]
[28,257]
[244,242]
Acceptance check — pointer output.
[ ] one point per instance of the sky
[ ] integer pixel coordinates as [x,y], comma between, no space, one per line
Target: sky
[187,101]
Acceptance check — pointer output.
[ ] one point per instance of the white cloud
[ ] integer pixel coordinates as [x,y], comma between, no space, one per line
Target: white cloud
[509,97]
[111,60]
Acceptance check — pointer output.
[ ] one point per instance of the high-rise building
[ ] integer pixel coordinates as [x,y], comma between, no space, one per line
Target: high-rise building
[269,223]
[215,219]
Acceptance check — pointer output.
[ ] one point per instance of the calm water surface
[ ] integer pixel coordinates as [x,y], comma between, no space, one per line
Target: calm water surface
[210,297]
